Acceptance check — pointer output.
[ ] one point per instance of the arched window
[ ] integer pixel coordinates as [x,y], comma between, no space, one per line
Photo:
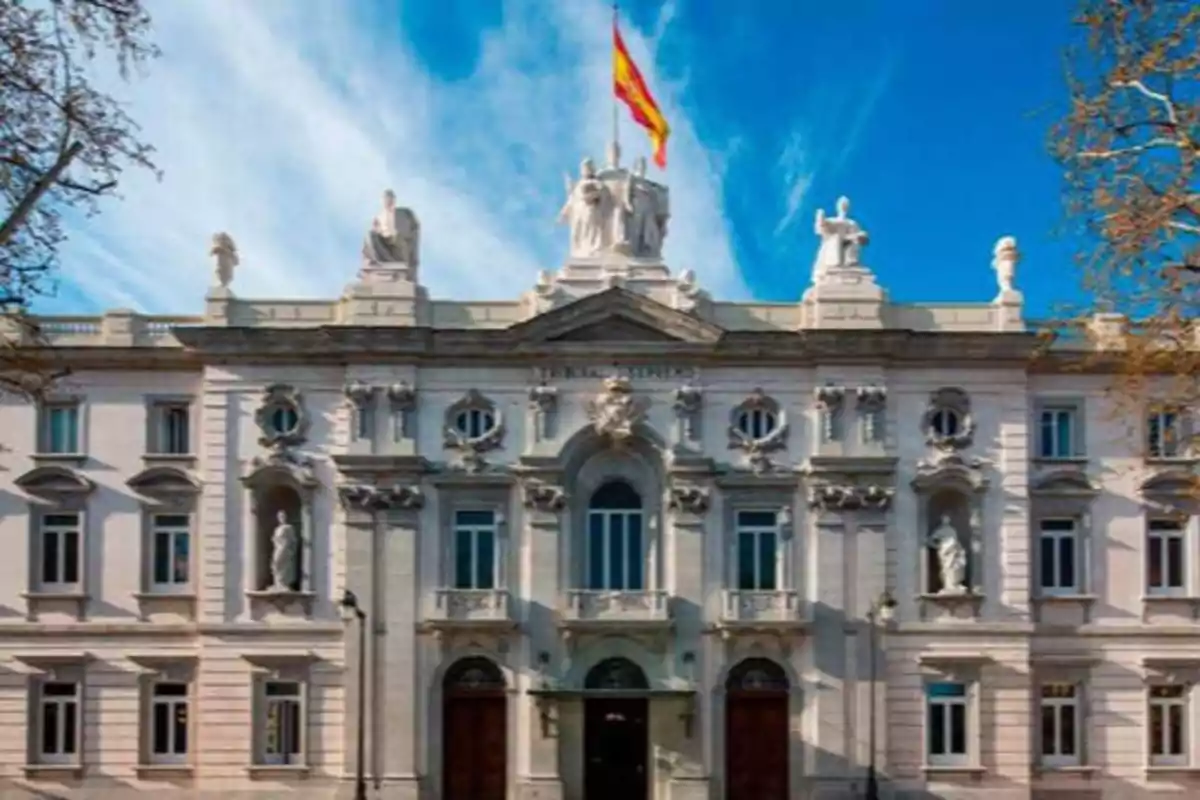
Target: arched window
[757,675]
[616,554]
[616,674]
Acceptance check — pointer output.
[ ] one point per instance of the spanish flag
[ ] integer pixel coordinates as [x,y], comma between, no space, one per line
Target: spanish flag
[630,88]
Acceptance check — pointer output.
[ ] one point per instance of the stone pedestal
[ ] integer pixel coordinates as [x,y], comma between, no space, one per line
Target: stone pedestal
[1009,305]
[385,294]
[217,303]
[845,297]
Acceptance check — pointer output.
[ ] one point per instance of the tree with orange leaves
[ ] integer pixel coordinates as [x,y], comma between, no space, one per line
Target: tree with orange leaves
[1130,147]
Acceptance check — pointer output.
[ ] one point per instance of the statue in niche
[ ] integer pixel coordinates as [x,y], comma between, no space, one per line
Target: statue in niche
[951,556]
[394,235]
[842,240]
[285,547]
[225,258]
[584,210]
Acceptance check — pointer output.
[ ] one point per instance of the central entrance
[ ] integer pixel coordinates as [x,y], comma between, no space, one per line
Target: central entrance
[615,732]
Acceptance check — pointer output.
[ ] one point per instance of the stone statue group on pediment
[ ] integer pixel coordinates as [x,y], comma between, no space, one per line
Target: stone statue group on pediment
[615,211]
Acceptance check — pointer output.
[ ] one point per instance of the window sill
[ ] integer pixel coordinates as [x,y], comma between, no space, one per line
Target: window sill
[51,771]
[1168,461]
[277,770]
[1085,770]
[1060,461]
[954,770]
[60,458]
[165,770]
[55,600]
[169,458]
[1171,598]
[1067,597]
[1172,769]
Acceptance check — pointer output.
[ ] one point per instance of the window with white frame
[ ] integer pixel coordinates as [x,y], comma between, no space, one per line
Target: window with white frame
[947,708]
[170,556]
[282,723]
[1168,728]
[1166,555]
[170,428]
[475,549]
[58,432]
[168,722]
[1165,435]
[616,555]
[1058,556]
[59,551]
[1060,724]
[757,551]
[1057,434]
[58,722]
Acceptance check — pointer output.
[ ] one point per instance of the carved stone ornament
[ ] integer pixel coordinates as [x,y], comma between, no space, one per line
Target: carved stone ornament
[948,423]
[950,470]
[615,412]
[689,499]
[281,417]
[400,497]
[473,426]
[688,401]
[830,400]
[358,392]
[758,426]
[544,496]
[543,398]
[296,467]
[845,497]
[872,401]
[871,398]
[402,396]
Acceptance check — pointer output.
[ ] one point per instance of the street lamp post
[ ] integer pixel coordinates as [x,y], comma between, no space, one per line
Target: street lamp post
[881,610]
[350,605]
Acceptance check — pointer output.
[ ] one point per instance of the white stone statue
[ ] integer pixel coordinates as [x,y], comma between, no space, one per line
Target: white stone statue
[225,258]
[285,546]
[842,240]
[395,235]
[952,557]
[641,215]
[1004,261]
[584,211]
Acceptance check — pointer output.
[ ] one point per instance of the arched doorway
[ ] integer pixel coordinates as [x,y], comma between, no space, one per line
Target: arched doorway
[474,731]
[616,544]
[756,731]
[615,739]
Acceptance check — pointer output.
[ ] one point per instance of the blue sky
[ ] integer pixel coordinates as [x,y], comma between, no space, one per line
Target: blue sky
[282,121]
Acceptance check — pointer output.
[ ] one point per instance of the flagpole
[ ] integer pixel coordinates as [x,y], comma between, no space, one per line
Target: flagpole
[615,103]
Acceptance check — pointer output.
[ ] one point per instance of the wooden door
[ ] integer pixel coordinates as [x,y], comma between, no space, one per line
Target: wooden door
[615,745]
[474,732]
[756,746]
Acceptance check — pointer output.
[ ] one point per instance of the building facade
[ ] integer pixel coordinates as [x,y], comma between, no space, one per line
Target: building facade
[613,537]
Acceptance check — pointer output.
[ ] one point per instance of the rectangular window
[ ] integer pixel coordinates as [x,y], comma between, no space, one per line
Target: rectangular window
[1058,551]
[171,431]
[1168,726]
[58,722]
[757,551]
[364,420]
[59,551]
[1056,433]
[1060,724]
[170,546]
[947,723]
[474,550]
[1165,557]
[59,432]
[283,725]
[169,723]
[1165,437]
[616,557]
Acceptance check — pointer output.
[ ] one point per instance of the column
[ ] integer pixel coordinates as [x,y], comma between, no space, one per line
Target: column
[400,528]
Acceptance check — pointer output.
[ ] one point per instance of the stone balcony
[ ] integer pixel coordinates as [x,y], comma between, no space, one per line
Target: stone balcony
[597,608]
[450,609]
[758,610]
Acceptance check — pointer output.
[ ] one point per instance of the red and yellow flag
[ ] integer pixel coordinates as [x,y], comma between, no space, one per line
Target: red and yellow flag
[630,88]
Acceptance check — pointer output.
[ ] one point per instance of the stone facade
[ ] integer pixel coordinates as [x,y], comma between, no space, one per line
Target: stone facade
[611,537]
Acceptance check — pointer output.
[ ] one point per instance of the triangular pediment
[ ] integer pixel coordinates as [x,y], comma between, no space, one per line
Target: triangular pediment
[616,315]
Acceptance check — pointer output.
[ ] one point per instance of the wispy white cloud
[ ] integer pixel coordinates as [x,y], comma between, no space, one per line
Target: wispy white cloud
[826,137]
[281,122]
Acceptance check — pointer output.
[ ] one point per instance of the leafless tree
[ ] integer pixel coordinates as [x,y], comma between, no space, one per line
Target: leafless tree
[1129,143]
[64,145]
